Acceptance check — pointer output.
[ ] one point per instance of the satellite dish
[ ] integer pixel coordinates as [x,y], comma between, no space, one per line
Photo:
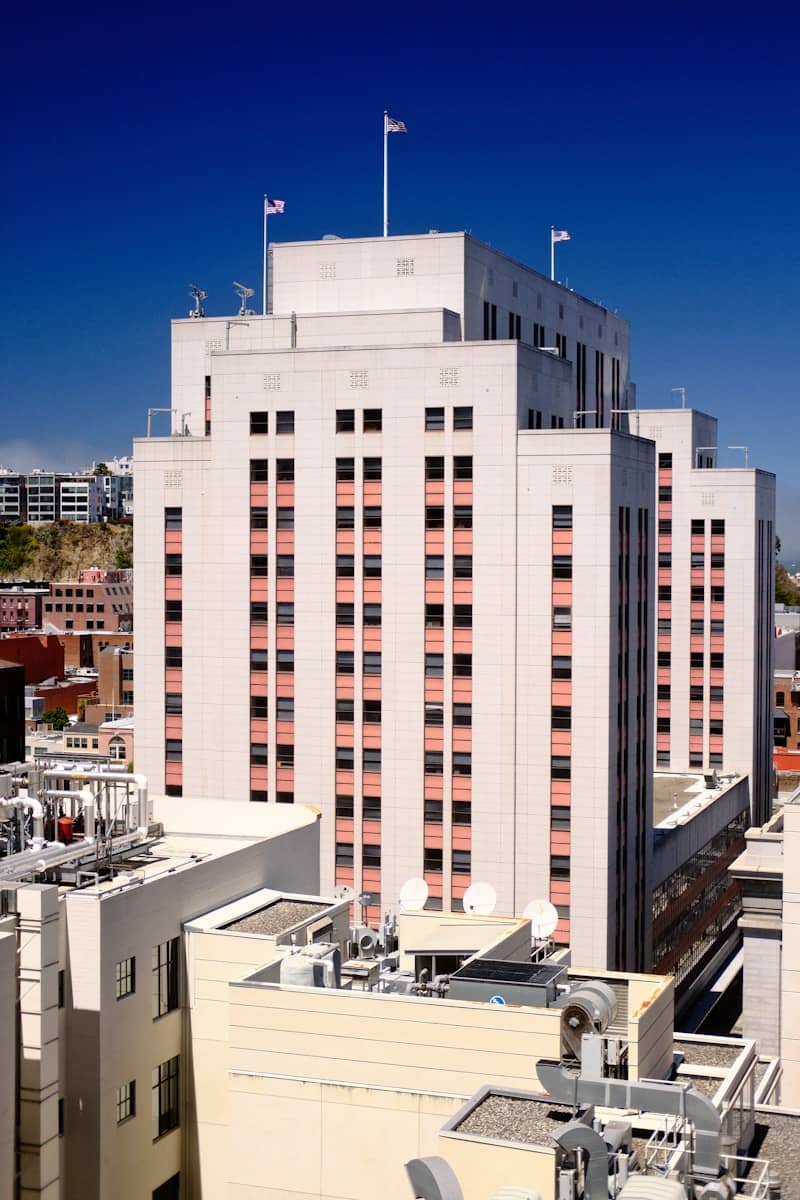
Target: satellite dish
[543,918]
[413,894]
[343,892]
[480,898]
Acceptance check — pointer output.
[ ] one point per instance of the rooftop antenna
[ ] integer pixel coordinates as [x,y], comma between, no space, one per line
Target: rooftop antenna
[682,393]
[480,898]
[543,917]
[746,450]
[413,894]
[199,296]
[244,293]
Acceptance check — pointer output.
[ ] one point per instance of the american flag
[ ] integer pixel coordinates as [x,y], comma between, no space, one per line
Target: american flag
[560,235]
[274,206]
[394,126]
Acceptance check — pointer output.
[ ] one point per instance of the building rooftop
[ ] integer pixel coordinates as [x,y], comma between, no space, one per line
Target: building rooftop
[277,917]
[508,1118]
[678,798]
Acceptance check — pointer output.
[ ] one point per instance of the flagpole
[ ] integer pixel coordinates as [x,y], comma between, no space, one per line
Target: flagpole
[552,252]
[264,269]
[385,173]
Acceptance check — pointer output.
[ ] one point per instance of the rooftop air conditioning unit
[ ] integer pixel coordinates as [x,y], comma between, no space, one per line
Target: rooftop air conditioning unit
[365,941]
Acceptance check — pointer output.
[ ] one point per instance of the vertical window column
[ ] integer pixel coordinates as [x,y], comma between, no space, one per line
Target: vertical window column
[664,613]
[716,644]
[282,625]
[622,824]
[368,719]
[348,676]
[259,628]
[458,777]
[173,651]
[561,718]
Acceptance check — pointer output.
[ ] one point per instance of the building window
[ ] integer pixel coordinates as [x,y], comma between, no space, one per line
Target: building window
[259,754]
[562,516]
[344,854]
[165,977]
[373,420]
[717,595]
[372,712]
[462,516]
[344,662]
[562,566]
[434,616]
[560,767]
[126,1101]
[371,758]
[697,560]
[166,1110]
[462,466]
[664,658]
[285,613]
[462,862]
[462,417]
[434,762]
[662,758]
[434,713]
[560,817]
[462,665]
[559,866]
[259,470]
[258,660]
[285,568]
[665,626]
[372,516]
[432,859]
[345,517]
[173,520]
[259,518]
[173,750]
[125,975]
[345,420]
[345,470]
[344,807]
[698,528]
[561,716]
[371,856]
[372,614]
[717,528]
[665,494]
[259,565]
[433,812]
[434,469]
[371,811]
[372,662]
[284,708]
[373,469]
[173,610]
[434,419]
[662,724]
[285,661]
[462,762]
[562,667]
[697,594]
[284,754]
[372,566]
[284,470]
[345,566]
[258,708]
[173,565]
[284,422]
[259,612]
[259,423]
[664,462]
[665,527]
[696,660]
[716,661]
[434,517]
[489,321]
[345,614]
[344,711]
[344,758]
[715,728]
[462,616]
[663,691]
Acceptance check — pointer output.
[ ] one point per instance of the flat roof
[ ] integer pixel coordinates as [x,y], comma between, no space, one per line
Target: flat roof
[677,798]
[504,1118]
[277,917]
[777,1137]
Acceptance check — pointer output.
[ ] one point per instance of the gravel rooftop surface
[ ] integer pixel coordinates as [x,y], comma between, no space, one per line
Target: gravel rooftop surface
[778,1139]
[703,1083]
[277,917]
[510,1119]
[704,1054]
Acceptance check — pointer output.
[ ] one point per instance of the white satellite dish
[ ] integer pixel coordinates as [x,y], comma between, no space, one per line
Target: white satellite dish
[480,898]
[543,918]
[413,894]
[343,892]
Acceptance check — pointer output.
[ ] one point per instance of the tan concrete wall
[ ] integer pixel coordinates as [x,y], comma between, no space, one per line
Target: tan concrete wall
[483,1167]
[8,1053]
[790,997]
[651,1013]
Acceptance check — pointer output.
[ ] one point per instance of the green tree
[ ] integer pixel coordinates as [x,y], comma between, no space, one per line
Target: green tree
[57,717]
[17,547]
[101,469]
[122,558]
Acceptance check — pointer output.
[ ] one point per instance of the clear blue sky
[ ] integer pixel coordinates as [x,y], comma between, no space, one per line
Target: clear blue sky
[139,140]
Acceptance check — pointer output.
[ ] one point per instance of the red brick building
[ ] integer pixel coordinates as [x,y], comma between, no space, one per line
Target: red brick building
[92,603]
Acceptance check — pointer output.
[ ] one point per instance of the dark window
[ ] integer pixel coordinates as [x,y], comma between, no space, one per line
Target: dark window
[562,667]
[258,660]
[434,664]
[462,616]
[259,518]
[664,558]
[259,470]
[126,1102]
[696,691]
[345,566]
[462,516]
[345,469]
[664,462]
[697,559]
[173,750]
[562,566]
[259,612]
[696,659]
[344,807]
[372,516]
[696,725]
[285,565]
[285,661]
[284,755]
[373,420]
[344,854]
[697,593]
[344,758]
[344,662]
[434,762]
[462,812]
[372,662]
[717,595]
[434,713]
[664,626]
[698,528]
[285,613]
[665,526]
[462,566]
[372,566]
[173,610]
[560,767]
[664,592]
[562,516]
[663,691]
[434,616]
[717,528]
[434,468]
[173,657]
[715,728]
[434,517]
[345,517]
[284,708]
[559,866]
[560,817]
[373,469]
[173,565]
[173,704]
[562,618]
[345,614]
[284,422]
[125,976]
[259,754]
[561,716]
[258,707]
[697,626]
[462,762]
[259,564]
[259,422]
[462,714]
[371,758]
[372,614]
[173,519]
[166,1103]
[489,321]
[662,758]
[665,493]
[370,855]
[462,466]
[717,560]
[345,420]
[434,812]
[284,470]
[165,977]
[462,417]
[434,419]
[462,665]
[663,724]
[432,858]
[372,712]
[717,661]
[462,862]
[716,695]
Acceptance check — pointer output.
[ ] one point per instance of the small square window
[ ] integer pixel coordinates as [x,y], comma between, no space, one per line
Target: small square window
[259,470]
[373,420]
[125,972]
[284,422]
[434,468]
[259,423]
[345,470]
[434,419]
[126,1101]
[345,420]
[373,469]
[462,417]
[284,470]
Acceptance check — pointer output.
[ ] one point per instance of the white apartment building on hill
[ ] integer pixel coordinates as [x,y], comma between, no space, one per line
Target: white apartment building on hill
[402,568]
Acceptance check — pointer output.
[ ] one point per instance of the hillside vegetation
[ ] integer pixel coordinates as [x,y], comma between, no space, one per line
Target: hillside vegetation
[60,549]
